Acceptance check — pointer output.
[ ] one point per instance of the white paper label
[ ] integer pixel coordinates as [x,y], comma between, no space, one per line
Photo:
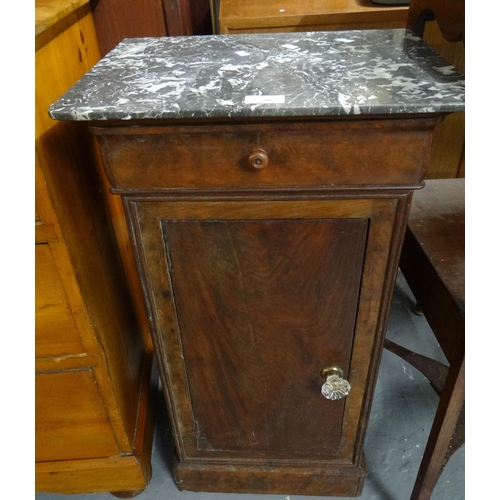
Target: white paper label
[264,99]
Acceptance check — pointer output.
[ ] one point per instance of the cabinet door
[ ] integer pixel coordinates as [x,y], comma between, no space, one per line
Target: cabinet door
[262,307]
[250,301]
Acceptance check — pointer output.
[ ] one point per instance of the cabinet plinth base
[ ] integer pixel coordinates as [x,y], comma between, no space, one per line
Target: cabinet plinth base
[334,480]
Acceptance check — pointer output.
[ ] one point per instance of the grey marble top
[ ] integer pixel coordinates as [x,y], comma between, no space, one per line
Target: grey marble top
[330,73]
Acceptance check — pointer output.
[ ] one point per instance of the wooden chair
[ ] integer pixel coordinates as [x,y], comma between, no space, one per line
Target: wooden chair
[449,14]
[433,264]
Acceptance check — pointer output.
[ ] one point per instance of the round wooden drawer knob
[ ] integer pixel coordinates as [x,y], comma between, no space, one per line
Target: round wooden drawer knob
[258,159]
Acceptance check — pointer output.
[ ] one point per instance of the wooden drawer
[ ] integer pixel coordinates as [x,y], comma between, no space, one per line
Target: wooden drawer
[344,153]
[71,422]
[56,333]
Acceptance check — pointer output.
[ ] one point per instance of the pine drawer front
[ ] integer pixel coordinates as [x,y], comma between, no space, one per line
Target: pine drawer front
[56,333]
[69,411]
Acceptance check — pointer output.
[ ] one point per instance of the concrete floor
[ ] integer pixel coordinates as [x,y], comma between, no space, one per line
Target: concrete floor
[401,417]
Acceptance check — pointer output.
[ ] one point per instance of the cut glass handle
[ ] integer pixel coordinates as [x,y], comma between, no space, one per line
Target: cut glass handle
[335,386]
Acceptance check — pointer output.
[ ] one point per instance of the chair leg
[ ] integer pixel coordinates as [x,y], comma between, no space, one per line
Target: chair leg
[433,370]
[449,409]
[418,310]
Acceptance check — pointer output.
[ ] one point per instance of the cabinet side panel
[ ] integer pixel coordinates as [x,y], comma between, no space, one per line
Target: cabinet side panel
[263,307]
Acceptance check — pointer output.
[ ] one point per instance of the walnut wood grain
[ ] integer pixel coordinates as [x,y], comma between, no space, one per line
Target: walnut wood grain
[229,260]
[300,154]
[146,220]
[275,303]
[336,480]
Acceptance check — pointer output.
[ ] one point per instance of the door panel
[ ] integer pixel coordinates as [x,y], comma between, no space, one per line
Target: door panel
[262,307]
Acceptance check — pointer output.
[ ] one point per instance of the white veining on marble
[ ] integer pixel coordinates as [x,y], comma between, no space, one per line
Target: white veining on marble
[319,73]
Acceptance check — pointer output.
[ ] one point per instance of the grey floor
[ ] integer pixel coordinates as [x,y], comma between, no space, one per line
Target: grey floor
[401,417]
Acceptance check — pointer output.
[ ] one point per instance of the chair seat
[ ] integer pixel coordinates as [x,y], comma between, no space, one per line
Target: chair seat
[433,264]
[433,257]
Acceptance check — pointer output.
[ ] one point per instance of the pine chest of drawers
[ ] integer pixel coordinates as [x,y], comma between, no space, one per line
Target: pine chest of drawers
[266,181]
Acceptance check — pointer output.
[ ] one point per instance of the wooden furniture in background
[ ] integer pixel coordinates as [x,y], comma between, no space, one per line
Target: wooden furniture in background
[433,264]
[442,24]
[118,19]
[255,16]
[94,413]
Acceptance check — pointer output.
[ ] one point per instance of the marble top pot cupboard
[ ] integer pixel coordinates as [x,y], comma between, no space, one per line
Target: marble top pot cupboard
[266,181]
